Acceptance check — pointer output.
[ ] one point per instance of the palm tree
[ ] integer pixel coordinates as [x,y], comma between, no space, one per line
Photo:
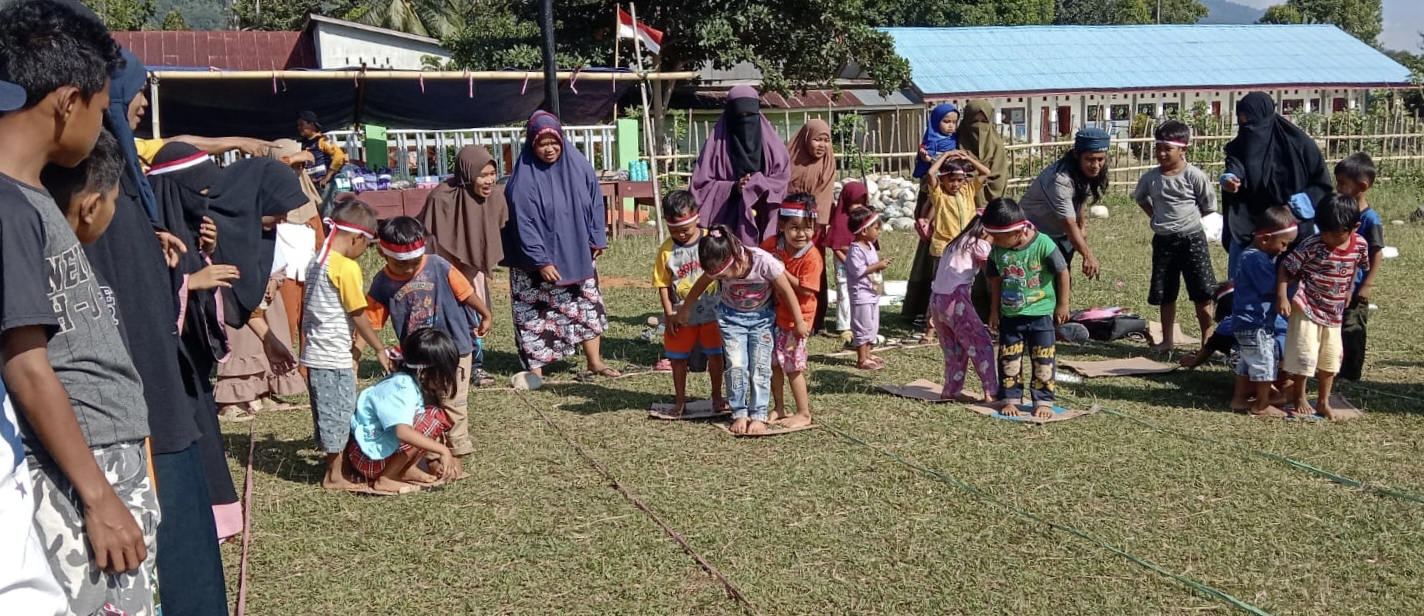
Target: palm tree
[433,18]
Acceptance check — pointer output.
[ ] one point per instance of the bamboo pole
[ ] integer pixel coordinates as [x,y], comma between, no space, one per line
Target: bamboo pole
[649,139]
[428,76]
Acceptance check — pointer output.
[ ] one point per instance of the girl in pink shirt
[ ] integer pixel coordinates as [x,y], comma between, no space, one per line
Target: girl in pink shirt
[962,336]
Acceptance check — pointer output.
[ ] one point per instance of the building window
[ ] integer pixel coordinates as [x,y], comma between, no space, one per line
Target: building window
[1095,113]
[1171,110]
[1013,115]
[1149,110]
[1292,105]
[1120,113]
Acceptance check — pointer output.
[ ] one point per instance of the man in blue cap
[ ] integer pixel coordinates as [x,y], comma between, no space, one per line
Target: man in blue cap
[1055,199]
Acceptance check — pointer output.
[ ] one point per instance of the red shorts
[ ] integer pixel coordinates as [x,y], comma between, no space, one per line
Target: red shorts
[431,422]
[689,336]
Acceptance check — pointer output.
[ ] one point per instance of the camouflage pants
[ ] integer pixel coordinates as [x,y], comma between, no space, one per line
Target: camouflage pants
[59,518]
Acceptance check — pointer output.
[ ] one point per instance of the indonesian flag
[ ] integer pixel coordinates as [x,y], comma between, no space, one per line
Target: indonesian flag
[627,29]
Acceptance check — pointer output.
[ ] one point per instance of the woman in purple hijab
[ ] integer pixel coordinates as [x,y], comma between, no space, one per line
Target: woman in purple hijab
[554,234]
[743,170]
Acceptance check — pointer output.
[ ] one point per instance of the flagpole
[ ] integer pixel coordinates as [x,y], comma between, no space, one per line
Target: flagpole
[648,139]
[617,23]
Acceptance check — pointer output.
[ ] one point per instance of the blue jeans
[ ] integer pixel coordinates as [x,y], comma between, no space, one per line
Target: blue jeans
[747,345]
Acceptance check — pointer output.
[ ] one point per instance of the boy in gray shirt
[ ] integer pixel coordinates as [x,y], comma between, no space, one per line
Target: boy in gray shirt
[1175,196]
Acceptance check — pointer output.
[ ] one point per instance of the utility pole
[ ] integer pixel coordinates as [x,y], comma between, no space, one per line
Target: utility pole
[551,68]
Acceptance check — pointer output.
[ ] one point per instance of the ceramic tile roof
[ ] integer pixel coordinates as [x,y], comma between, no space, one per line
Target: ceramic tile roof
[224,50]
[992,60]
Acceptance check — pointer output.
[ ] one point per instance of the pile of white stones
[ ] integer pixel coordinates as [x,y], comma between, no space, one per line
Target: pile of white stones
[893,197]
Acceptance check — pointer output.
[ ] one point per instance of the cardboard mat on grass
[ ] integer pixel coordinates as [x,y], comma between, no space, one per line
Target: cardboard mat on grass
[1116,367]
[700,409]
[1059,413]
[920,389]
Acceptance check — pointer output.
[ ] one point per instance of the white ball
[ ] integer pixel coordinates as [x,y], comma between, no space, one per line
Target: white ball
[1098,211]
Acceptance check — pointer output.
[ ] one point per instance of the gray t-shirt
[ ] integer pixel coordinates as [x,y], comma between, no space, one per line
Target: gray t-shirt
[45,280]
[1049,202]
[1178,201]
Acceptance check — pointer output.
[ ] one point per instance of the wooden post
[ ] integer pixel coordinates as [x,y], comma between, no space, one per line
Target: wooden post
[648,131]
[153,108]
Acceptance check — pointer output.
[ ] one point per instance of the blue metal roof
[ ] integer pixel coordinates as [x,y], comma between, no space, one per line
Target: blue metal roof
[982,60]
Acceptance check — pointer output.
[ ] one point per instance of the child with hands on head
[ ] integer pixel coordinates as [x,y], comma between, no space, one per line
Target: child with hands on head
[748,277]
[862,262]
[399,421]
[1324,265]
[1029,290]
[805,270]
[417,290]
[677,270]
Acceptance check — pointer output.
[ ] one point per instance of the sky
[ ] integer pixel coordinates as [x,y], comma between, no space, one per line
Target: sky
[1403,20]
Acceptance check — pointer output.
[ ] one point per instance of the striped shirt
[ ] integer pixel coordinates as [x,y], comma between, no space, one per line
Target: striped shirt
[1327,277]
[333,293]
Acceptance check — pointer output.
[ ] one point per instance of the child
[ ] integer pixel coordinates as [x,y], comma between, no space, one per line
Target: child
[399,421]
[1325,265]
[1252,314]
[962,336]
[418,290]
[1353,177]
[939,137]
[948,206]
[1223,335]
[838,238]
[748,276]
[332,306]
[805,270]
[1026,306]
[862,261]
[678,268]
[83,418]
[1175,196]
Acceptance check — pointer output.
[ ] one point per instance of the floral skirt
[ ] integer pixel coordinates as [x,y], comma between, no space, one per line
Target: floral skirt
[551,321]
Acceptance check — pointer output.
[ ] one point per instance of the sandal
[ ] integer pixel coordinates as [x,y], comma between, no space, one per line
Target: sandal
[589,376]
[480,378]
[663,365]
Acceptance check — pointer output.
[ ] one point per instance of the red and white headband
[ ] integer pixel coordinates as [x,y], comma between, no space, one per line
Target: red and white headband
[395,355]
[403,252]
[796,212]
[1022,224]
[350,228]
[1180,144]
[683,222]
[725,266]
[869,222]
[178,165]
[1281,231]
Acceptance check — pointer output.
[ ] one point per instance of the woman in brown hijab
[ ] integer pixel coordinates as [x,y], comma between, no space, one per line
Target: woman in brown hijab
[813,171]
[978,135]
[463,216]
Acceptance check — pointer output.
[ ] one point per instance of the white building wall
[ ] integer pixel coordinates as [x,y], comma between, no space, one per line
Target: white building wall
[1055,117]
[340,46]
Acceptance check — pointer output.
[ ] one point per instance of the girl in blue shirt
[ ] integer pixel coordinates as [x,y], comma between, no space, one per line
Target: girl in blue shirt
[399,422]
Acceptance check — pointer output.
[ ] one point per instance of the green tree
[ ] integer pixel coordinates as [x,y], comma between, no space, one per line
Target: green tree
[1178,11]
[288,14]
[173,21]
[122,15]
[1363,19]
[435,18]
[1125,12]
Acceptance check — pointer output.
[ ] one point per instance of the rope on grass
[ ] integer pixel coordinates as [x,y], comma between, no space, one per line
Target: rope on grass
[246,518]
[1028,515]
[731,589]
[1288,461]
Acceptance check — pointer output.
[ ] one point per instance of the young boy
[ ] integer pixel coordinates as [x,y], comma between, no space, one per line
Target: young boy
[805,269]
[1353,177]
[1175,196]
[333,306]
[418,290]
[1325,266]
[676,270]
[83,418]
[1253,313]
[862,263]
[1029,292]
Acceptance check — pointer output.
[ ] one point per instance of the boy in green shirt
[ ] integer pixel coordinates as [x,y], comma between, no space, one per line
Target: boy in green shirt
[1029,287]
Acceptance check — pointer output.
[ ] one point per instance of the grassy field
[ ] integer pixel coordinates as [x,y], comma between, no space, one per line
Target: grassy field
[1102,514]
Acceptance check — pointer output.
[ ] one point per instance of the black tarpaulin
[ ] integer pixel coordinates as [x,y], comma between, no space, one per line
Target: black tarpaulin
[251,105]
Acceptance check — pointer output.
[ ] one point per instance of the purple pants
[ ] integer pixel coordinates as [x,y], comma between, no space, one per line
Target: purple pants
[965,341]
[864,323]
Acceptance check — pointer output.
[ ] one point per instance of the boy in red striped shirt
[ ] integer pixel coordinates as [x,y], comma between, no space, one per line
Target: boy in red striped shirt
[1325,267]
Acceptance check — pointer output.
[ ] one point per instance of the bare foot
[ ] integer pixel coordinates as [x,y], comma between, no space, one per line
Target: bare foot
[677,409]
[798,420]
[1009,410]
[739,426]
[1163,347]
[1329,412]
[1241,405]
[417,476]
[777,414]
[1269,410]
[388,485]
[1043,411]
[341,483]
[721,404]
[969,398]
[756,427]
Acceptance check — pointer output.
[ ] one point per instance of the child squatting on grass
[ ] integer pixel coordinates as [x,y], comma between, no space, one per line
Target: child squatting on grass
[1325,266]
[748,276]
[1029,291]
[676,271]
[862,263]
[805,270]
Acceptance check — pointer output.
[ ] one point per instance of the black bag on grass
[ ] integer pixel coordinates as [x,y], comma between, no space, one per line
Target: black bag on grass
[1116,327]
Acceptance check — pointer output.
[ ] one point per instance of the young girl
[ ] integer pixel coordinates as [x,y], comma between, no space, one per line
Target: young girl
[951,188]
[747,276]
[939,140]
[399,422]
[806,271]
[962,336]
[1028,284]
[862,261]
[838,238]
